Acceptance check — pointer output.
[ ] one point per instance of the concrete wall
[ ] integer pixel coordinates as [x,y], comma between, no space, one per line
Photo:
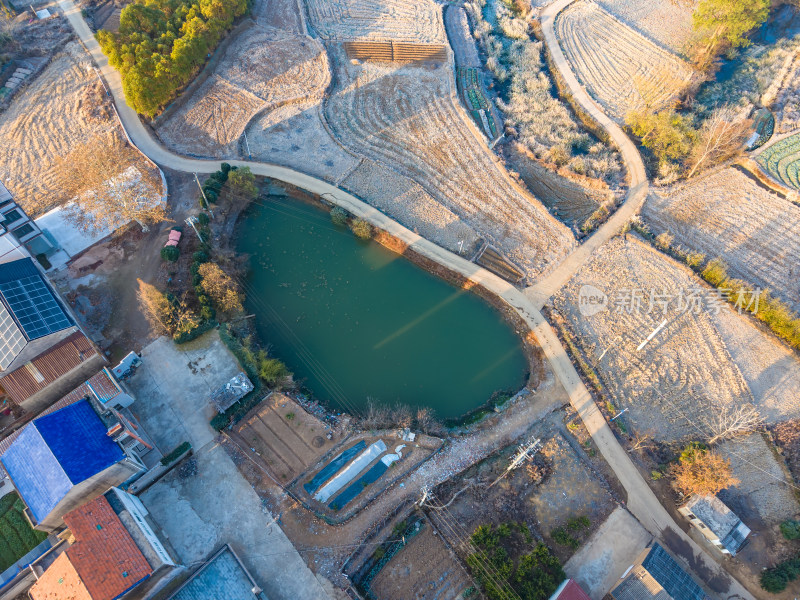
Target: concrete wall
[86,491]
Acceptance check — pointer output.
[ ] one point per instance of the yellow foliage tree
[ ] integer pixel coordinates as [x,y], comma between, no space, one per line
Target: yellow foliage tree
[702,471]
[220,287]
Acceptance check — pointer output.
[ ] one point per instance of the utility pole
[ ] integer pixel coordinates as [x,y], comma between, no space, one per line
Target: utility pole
[652,335]
[524,453]
[246,143]
[619,415]
[205,199]
[191,221]
[460,246]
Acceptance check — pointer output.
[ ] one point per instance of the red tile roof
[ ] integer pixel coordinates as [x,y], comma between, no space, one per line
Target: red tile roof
[59,360]
[103,563]
[571,591]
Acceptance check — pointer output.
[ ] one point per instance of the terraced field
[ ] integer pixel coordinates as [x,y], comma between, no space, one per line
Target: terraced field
[405,118]
[621,68]
[727,214]
[418,21]
[782,160]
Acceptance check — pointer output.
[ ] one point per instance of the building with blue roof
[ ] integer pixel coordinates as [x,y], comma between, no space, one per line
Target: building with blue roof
[62,460]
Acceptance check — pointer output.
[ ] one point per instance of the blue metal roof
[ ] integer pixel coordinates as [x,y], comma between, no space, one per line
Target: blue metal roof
[56,452]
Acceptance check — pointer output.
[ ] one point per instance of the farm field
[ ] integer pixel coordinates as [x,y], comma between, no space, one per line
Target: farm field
[570,201]
[782,160]
[697,367]
[423,569]
[621,68]
[17,537]
[262,70]
[726,214]
[405,201]
[71,109]
[416,21]
[787,99]
[665,22]
[289,135]
[405,117]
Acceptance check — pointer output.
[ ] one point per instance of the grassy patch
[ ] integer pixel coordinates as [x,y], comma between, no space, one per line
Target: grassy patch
[17,537]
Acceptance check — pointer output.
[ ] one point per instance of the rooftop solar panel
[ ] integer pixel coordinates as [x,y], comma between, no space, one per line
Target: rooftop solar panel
[34,306]
[11,339]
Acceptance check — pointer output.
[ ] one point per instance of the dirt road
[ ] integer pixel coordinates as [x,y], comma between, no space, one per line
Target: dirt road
[546,287]
[643,503]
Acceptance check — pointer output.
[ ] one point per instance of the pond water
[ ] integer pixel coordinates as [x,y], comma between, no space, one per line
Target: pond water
[353,320]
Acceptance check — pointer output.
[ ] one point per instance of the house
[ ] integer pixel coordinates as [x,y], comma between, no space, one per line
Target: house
[656,576]
[19,231]
[64,459]
[43,353]
[718,523]
[223,576]
[114,552]
[569,590]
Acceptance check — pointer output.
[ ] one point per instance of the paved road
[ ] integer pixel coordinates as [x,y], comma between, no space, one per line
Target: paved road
[642,502]
[637,192]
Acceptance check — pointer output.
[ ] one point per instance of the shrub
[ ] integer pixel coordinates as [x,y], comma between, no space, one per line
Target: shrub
[200,257]
[170,253]
[695,259]
[339,216]
[271,370]
[577,524]
[791,529]
[560,536]
[225,168]
[716,272]
[220,421]
[361,228]
[173,456]
[664,241]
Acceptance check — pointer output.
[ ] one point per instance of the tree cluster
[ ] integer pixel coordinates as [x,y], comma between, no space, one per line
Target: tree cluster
[722,25]
[680,146]
[161,44]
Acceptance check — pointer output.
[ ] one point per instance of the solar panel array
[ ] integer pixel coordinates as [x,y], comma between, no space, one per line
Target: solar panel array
[34,306]
[11,339]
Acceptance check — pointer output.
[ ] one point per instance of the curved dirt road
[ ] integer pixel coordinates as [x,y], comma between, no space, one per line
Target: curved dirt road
[547,286]
[642,502]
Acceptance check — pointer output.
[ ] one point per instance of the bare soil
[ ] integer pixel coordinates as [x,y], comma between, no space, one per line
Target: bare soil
[569,488]
[787,439]
[666,22]
[621,68]
[71,108]
[698,362]
[284,436]
[261,70]
[425,569]
[727,214]
[418,21]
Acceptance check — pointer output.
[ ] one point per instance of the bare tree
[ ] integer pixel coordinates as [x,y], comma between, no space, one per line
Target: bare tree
[721,137]
[723,422]
[642,441]
[112,185]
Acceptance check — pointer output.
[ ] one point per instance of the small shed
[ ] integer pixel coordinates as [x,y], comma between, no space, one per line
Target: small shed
[230,393]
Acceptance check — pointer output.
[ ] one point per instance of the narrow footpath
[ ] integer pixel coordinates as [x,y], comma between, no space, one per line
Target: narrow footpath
[642,502]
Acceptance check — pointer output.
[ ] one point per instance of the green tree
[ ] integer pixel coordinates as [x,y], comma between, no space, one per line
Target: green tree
[667,134]
[242,183]
[724,24]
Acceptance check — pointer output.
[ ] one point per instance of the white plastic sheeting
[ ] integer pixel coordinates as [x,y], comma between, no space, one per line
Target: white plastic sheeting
[392,458]
[350,472]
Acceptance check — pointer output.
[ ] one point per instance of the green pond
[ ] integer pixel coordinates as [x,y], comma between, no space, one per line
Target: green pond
[353,320]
